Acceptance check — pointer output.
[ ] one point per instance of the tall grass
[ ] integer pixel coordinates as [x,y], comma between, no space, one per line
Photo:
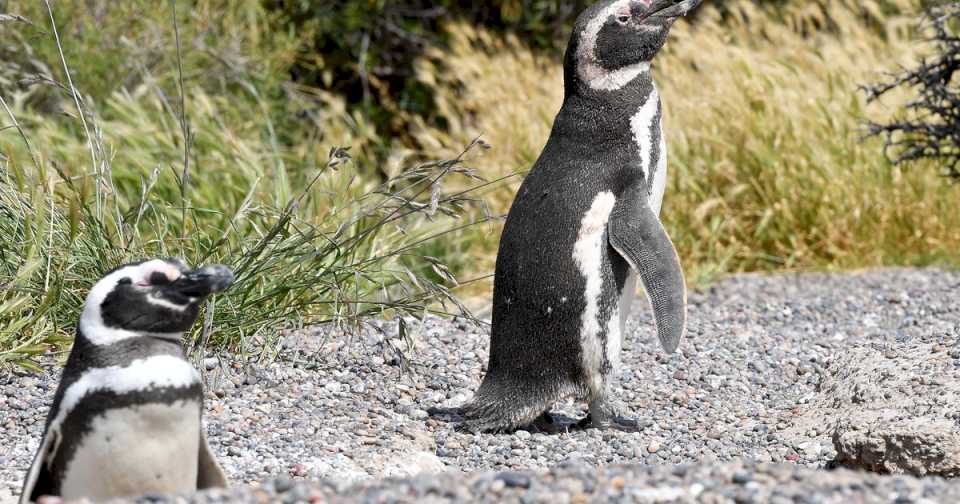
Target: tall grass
[197,144]
[166,167]
[769,169]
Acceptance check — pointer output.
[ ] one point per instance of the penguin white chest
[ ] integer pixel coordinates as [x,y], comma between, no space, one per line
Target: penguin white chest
[130,451]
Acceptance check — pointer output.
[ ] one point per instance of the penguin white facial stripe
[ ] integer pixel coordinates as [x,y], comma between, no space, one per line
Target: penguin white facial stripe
[588,254]
[587,66]
[157,301]
[154,372]
[641,124]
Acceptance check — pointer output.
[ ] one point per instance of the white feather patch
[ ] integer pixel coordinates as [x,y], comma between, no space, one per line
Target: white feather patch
[660,177]
[132,451]
[587,65]
[588,254]
[614,342]
[641,124]
[627,296]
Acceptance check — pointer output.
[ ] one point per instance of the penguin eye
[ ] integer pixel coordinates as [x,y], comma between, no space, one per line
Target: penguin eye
[125,281]
[158,278]
[623,19]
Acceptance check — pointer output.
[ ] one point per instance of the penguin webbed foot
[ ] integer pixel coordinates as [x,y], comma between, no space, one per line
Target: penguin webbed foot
[549,423]
[622,423]
[607,413]
[446,414]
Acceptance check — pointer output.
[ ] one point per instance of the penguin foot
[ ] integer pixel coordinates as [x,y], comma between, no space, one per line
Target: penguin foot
[626,424]
[452,415]
[622,423]
[548,423]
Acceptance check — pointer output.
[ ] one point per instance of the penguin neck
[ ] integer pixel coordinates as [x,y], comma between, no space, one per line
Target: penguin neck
[606,114]
[121,352]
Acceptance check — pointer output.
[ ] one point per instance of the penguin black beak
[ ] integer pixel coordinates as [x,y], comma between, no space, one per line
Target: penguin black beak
[204,281]
[671,9]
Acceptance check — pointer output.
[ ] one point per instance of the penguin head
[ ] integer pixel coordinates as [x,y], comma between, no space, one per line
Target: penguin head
[158,298]
[614,41]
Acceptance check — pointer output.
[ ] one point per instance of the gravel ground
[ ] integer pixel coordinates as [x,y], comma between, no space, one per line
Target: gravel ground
[756,348]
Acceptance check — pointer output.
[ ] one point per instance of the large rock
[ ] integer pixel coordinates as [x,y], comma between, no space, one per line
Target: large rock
[895,408]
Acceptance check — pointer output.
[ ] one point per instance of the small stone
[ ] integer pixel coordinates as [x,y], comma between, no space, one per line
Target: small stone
[514,479]
[653,447]
[282,484]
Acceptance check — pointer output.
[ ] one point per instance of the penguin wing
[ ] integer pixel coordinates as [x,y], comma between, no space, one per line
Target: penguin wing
[39,480]
[209,472]
[636,233]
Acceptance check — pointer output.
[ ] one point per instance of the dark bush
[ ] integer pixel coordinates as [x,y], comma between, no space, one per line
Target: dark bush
[930,128]
[365,49]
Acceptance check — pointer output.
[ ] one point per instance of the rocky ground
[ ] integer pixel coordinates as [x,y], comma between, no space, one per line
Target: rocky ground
[741,401]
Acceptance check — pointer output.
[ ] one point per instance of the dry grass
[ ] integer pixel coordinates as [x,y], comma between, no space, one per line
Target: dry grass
[764,119]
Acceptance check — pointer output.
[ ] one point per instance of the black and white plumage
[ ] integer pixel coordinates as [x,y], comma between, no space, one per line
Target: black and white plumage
[126,417]
[584,225]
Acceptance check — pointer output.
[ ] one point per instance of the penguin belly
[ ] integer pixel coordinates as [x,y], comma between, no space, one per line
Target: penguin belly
[135,450]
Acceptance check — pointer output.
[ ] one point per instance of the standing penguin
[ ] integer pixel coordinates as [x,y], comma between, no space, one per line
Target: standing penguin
[125,418]
[584,224]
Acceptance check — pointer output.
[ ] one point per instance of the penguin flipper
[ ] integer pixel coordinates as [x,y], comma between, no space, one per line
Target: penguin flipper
[209,472]
[636,233]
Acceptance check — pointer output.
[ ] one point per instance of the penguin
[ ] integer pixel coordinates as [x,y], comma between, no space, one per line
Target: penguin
[583,228]
[126,416]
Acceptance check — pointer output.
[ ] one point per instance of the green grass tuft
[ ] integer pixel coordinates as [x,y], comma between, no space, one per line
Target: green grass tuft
[152,173]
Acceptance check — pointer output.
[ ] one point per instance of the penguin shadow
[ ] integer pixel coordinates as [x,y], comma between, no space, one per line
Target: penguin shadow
[550,423]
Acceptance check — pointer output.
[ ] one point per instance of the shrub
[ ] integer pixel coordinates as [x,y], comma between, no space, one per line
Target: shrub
[930,128]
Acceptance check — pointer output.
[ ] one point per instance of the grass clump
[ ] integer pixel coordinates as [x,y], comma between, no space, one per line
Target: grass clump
[172,167]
